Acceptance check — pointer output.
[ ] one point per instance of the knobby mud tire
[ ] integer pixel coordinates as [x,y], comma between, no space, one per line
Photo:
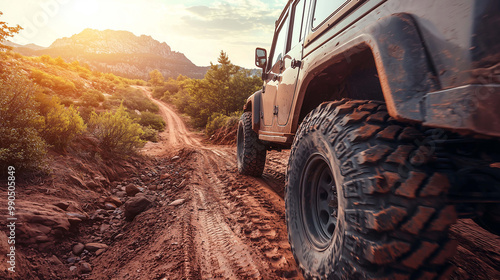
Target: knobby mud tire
[251,152]
[391,221]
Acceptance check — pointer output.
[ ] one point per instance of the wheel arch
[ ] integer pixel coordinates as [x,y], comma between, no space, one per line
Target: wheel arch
[386,61]
[253,105]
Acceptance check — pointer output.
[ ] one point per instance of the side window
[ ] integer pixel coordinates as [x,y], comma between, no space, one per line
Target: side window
[279,46]
[324,8]
[298,15]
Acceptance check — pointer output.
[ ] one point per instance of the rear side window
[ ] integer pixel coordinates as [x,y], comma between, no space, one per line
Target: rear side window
[323,9]
[298,15]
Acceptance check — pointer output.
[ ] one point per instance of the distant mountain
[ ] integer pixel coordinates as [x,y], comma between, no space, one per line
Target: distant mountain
[28,46]
[119,52]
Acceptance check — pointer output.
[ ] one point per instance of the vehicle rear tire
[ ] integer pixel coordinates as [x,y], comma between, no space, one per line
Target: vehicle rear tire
[490,219]
[251,152]
[359,202]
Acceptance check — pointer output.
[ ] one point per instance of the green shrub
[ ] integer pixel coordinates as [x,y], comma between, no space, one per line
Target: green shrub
[116,131]
[134,99]
[218,120]
[61,126]
[171,86]
[150,134]
[59,84]
[20,143]
[152,120]
[92,98]
[45,102]
[140,82]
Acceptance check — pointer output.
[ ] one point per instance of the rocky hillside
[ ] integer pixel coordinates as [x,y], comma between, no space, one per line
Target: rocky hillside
[119,52]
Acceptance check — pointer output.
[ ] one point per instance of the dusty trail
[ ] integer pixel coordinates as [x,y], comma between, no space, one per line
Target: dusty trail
[233,227]
[235,224]
[176,134]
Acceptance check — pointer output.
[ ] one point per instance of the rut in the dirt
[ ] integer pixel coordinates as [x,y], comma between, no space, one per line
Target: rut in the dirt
[233,222]
[232,226]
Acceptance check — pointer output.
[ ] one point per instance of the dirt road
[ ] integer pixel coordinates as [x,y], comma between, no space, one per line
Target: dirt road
[231,226]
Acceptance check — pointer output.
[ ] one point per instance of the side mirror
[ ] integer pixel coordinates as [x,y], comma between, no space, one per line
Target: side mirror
[260,58]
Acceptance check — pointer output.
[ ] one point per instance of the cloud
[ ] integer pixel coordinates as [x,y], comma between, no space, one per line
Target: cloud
[229,19]
[197,28]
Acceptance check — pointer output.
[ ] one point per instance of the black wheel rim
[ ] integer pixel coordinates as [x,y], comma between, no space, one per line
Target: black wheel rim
[319,202]
[240,139]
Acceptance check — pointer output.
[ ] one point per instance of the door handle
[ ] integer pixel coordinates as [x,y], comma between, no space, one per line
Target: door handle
[296,63]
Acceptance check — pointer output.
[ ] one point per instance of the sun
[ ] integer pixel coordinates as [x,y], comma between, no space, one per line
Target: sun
[87,7]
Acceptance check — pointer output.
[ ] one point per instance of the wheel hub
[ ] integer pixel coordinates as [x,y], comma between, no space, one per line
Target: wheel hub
[319,201]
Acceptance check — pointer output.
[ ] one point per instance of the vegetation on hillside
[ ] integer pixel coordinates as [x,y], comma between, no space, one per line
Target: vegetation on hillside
[212,102]
[47,103]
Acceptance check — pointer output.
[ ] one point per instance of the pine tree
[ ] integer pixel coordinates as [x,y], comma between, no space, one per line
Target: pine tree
[222,91]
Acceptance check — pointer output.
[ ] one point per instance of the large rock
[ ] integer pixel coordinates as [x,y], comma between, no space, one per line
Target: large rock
[85,268]
[39,222]
[92,247]
[63,205]
[135,206]
[131,189]
[78,249]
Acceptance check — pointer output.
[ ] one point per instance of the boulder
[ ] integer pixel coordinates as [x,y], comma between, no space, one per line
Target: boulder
[85,268]
[63,205]
[135,206]
[78,249]
[39,222]
[131,190]
[92,247]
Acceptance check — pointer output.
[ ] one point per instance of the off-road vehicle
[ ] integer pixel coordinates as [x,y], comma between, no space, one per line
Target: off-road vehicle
[392,113]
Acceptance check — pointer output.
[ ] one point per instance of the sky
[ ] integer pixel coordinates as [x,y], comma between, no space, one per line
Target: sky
[198,28]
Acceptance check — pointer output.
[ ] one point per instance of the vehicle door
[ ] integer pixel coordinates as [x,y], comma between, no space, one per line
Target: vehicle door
[291,63]
[274,71]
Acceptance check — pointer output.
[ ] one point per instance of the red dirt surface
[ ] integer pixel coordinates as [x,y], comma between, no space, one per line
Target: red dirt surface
[227,226]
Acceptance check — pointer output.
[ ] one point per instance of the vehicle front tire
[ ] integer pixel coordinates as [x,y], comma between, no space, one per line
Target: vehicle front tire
[359,203]
[251,153]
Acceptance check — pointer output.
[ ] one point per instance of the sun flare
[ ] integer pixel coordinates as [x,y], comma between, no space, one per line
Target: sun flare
[87,8]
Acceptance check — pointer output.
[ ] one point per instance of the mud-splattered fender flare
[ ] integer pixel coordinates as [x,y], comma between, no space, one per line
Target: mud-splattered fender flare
[253,105]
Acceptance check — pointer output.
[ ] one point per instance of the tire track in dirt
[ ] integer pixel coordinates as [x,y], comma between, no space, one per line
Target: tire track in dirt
[236,228]
[256,211]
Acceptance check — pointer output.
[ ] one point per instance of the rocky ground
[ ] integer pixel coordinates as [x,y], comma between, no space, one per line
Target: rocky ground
[181,212]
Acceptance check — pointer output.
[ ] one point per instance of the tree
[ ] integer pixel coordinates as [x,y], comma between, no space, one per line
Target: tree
[7,31]
[223,90]
[156,78]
